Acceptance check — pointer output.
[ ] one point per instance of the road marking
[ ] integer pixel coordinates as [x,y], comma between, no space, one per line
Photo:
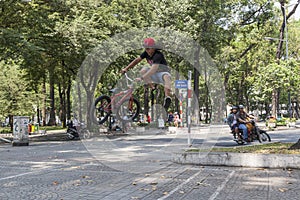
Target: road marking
[50,168]
[180,186]
[220,188]
[23,174]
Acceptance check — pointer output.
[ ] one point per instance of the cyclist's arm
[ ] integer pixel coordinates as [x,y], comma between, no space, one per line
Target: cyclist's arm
[150,72]
[250,116]
[132,64]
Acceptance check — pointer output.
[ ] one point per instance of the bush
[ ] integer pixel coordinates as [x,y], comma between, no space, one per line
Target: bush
[142,124]
[281,121]
[5,130]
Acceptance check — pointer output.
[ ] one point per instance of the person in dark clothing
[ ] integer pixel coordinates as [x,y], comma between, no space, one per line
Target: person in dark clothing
[170,118]
[157,72]
[242,118]
[232,120]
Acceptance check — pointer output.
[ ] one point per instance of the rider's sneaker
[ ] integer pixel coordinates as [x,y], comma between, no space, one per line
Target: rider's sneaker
[167,103]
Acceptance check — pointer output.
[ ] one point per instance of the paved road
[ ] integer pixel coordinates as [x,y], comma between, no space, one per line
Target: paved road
[133,167]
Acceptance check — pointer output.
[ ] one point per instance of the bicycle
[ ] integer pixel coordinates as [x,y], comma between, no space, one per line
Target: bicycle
[122,103]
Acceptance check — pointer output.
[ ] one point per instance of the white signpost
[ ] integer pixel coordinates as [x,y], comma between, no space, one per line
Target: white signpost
[185,87]
[20,131]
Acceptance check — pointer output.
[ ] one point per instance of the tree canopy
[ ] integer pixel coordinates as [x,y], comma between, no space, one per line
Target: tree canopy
[43,44]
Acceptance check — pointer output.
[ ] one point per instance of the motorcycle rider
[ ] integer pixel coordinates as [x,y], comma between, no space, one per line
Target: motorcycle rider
[242,116]
[232,121]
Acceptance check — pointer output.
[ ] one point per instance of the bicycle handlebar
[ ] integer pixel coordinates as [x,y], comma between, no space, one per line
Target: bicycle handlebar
[127,77]
[129,81]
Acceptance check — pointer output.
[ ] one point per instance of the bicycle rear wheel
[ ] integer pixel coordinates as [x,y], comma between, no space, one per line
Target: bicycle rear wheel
[102,109]
[128,110]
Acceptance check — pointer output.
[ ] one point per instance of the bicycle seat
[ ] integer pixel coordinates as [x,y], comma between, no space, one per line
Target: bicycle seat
[114,90]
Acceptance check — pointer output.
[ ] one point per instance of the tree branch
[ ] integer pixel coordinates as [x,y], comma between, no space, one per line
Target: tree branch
[246,21]
[293,10]
[246,50]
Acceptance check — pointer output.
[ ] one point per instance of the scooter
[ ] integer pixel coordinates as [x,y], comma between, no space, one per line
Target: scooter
[72,132]
[254,133]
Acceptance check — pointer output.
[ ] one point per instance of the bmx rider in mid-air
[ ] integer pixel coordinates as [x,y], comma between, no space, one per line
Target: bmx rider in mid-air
[157,72]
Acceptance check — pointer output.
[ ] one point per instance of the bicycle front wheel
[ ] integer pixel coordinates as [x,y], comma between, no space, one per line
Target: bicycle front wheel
[128,110]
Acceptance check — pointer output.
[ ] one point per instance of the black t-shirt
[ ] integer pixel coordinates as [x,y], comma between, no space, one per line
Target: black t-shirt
[157,58]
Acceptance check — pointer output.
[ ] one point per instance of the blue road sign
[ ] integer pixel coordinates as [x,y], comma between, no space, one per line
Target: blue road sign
[181,84]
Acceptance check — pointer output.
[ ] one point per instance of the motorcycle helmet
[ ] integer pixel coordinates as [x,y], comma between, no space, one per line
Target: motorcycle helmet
[234,108]
[241,107]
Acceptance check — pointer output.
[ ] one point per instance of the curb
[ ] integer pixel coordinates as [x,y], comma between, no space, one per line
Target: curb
[238,159]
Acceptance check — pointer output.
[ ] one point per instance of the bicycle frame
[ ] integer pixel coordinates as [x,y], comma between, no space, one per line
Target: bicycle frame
[114,104]
[126,95]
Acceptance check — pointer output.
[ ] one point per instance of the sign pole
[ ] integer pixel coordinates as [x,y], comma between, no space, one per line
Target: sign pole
[180,111]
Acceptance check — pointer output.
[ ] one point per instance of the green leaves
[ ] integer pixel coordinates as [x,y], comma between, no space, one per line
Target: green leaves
[52,38]
[16,97]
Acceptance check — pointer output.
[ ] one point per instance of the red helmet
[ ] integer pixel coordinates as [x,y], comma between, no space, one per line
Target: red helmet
[149,43]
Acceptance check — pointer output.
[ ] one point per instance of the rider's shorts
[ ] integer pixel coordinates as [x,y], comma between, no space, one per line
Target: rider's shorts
[158,76]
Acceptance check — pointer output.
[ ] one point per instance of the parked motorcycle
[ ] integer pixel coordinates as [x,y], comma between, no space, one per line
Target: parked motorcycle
[72,132]
[254,133]
[78,132]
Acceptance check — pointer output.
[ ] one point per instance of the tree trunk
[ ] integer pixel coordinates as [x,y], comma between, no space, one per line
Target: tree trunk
[68,100]
[44,117]
[158,110]
[152,104]
[297,109]
[285,17]
[196,99]
[295,146]
[80,104]
[267,108]
[11,122]
[146,100]
[177,108]
[52,120]
[207,107]
[62,105]
[207,96]
[274,103]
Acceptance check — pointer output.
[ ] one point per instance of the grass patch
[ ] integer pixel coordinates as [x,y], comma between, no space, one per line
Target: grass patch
[5,130]
[270,148]
[51,128]
[47,128]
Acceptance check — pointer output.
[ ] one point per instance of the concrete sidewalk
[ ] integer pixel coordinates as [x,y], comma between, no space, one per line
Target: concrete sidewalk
[258,160]
[211,158]
[238,159]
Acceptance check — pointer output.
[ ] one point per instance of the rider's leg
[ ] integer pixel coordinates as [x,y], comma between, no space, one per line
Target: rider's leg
[165,79]
[236,130]
[167,90]
[245,131]
[147,80]
[167,85]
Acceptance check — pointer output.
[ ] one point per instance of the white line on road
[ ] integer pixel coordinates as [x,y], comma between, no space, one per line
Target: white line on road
[220,188]
[23,174]
[179,186]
